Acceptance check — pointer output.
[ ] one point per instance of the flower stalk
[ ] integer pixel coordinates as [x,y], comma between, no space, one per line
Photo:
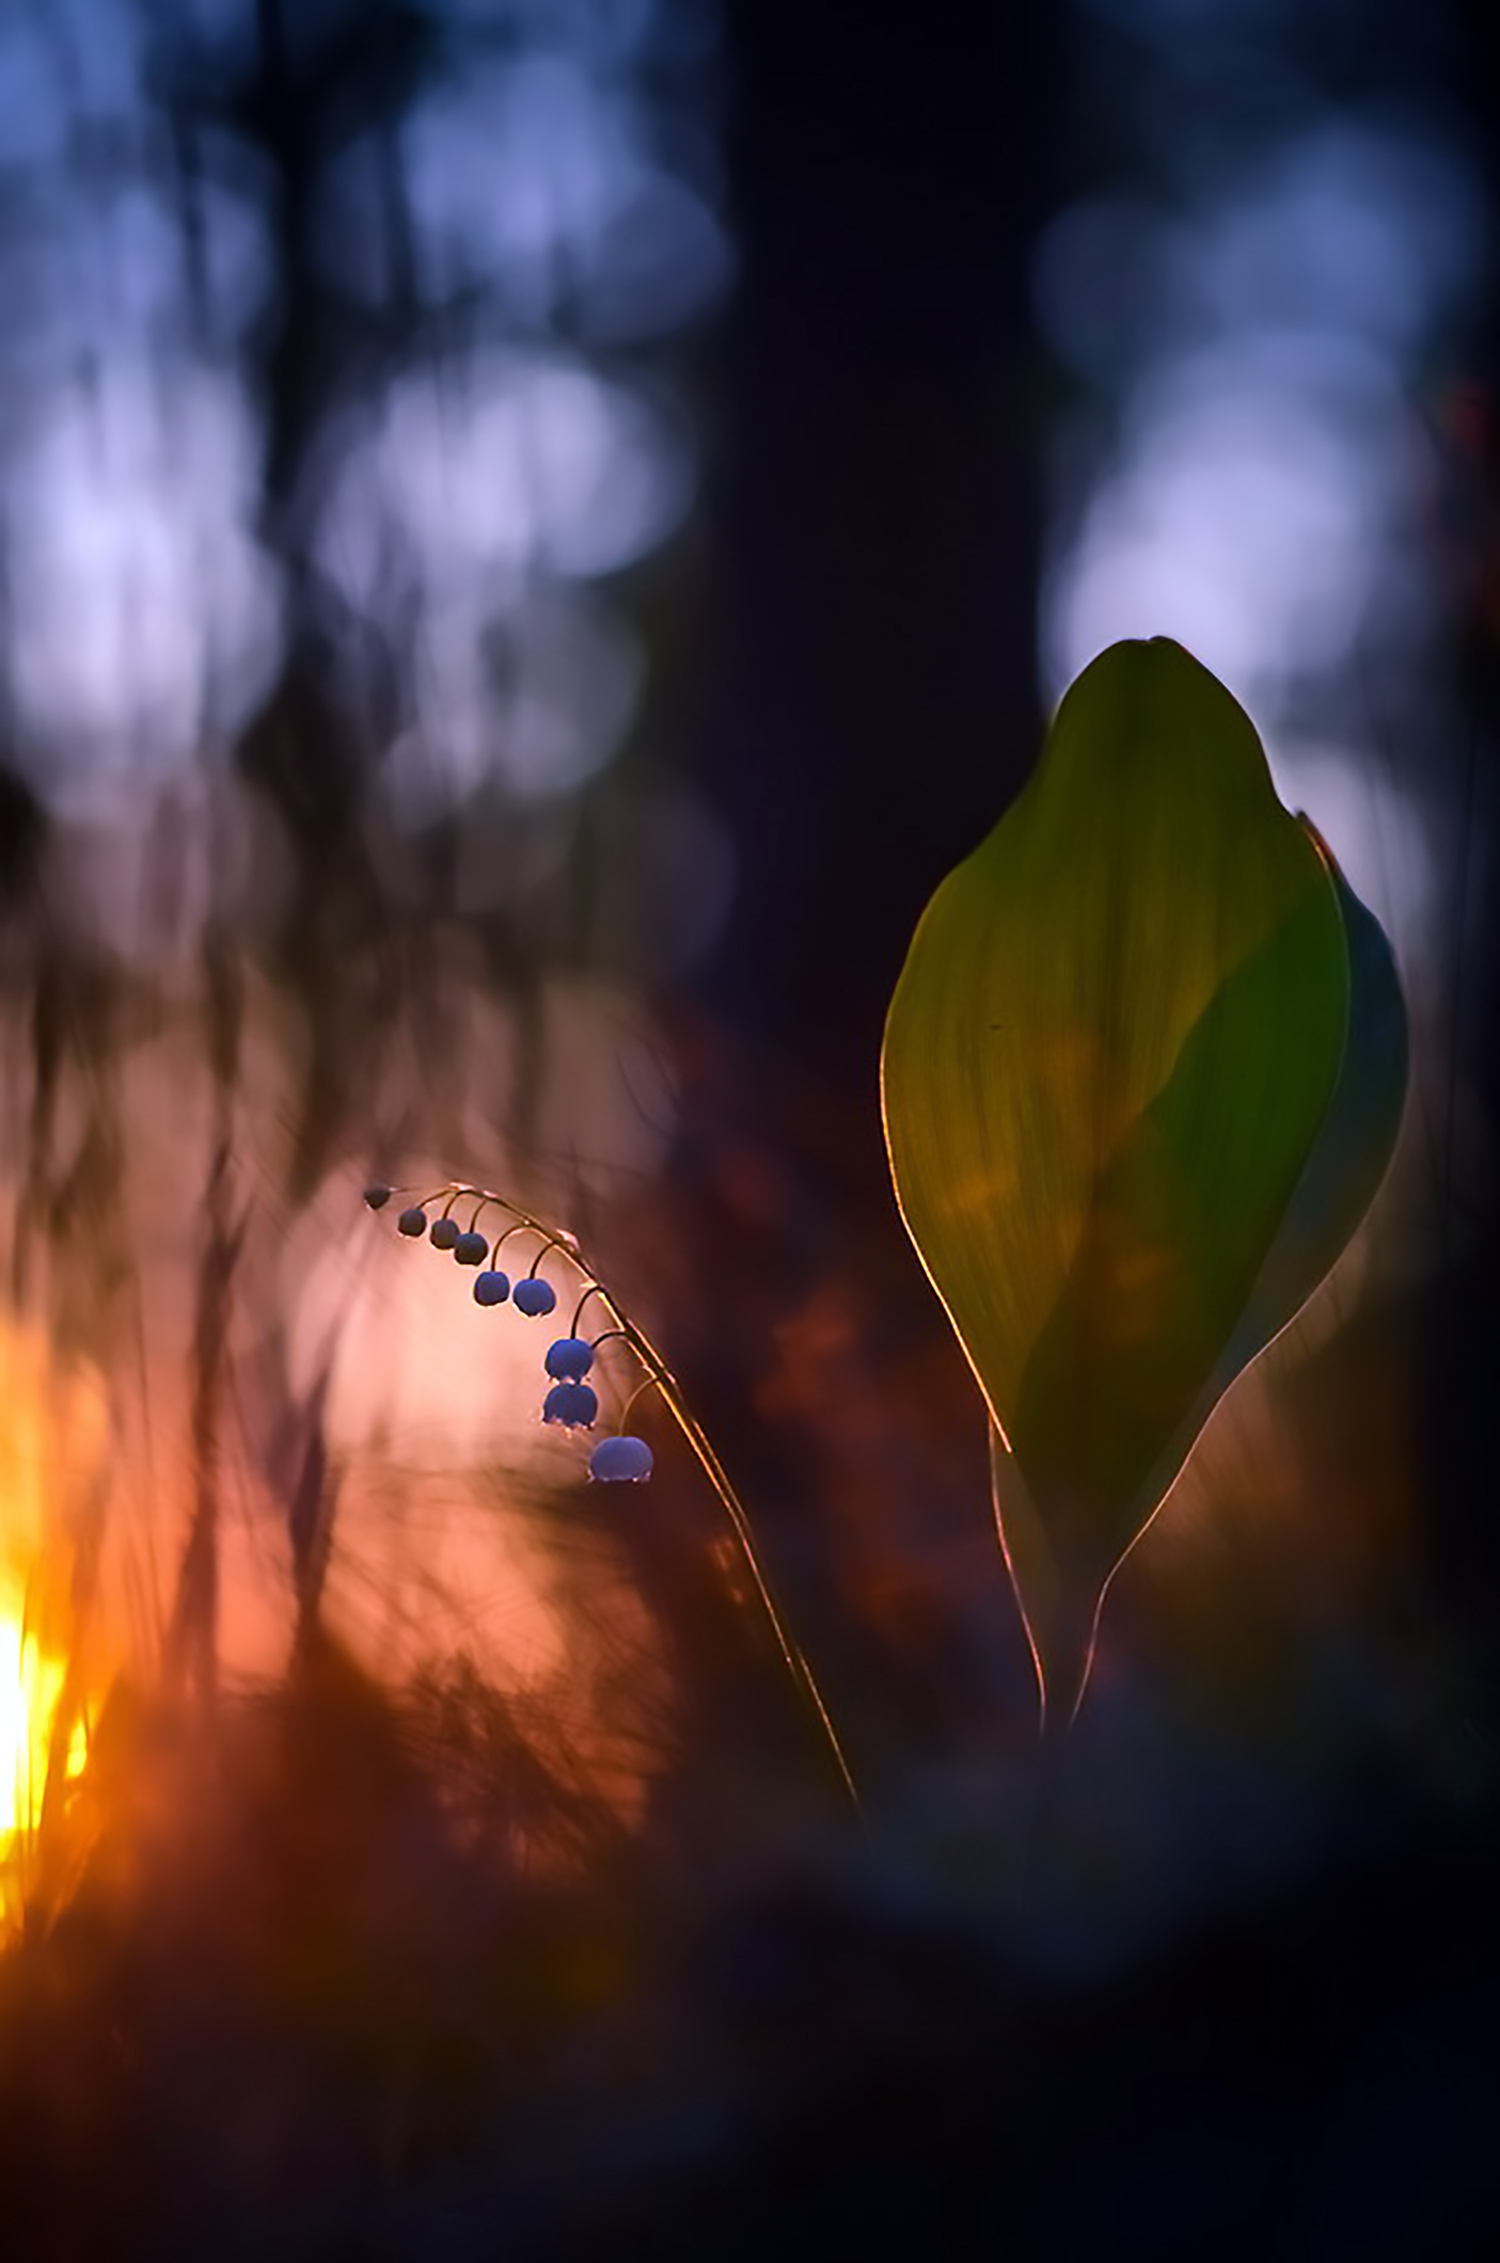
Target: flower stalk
[656,1375]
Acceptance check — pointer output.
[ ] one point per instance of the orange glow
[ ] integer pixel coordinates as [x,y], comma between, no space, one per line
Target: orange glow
[31,1684]
[51,1441]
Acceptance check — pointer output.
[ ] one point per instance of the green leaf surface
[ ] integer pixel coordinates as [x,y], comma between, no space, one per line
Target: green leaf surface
[1342,1174]
[1127,1124]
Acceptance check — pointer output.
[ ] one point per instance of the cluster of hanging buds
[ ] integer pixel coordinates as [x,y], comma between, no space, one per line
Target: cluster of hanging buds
[572,1403]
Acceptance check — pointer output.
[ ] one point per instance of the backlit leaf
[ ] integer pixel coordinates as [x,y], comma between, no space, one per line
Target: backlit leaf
[1141,1075]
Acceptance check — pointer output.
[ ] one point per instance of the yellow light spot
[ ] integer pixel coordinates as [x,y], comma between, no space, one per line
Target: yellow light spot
[31,1685]
[53,1432]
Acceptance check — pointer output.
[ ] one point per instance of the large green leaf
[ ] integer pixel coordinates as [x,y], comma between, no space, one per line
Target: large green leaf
[1128,1124]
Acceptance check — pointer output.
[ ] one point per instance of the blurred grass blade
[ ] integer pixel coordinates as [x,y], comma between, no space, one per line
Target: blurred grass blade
[1116,1041]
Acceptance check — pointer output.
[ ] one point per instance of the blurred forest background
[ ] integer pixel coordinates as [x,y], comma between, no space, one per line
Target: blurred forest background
[532,534]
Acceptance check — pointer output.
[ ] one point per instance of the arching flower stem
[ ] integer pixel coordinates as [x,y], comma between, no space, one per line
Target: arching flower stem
[657,1375]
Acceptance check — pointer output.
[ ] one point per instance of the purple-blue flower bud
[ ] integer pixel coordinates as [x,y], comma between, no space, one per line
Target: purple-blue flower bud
[534,1296]
[569,1359]
[574,1405]
[621,1461]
